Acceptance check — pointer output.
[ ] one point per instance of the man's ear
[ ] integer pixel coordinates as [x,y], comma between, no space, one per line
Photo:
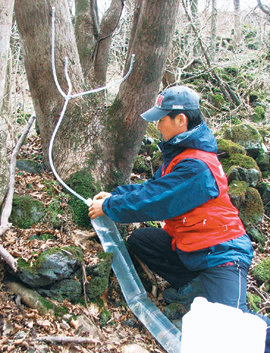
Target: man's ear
[182,120]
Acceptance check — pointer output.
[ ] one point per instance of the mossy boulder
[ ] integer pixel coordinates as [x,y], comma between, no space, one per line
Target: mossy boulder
[248,202]
[83,183]
[259,114]
[226,148]
[52,265]
[247,136]
[240,160]
[26,211]
[69,288]
[29,166]
[263,161]
[99,274]
[261,272]
[264,190]
[251,176]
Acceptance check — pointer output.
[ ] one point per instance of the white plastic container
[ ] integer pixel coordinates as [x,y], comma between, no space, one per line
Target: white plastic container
[217,328]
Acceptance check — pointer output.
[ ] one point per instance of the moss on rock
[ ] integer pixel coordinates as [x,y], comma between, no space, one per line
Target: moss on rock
[227,148]
[245,135]
[100,275]
[26,211]
[261,272]
[83,183]
[240,160]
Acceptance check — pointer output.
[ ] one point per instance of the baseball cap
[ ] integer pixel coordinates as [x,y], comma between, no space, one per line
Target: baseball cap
[173,98]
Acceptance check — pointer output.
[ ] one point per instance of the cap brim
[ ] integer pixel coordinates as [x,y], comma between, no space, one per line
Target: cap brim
[154,114]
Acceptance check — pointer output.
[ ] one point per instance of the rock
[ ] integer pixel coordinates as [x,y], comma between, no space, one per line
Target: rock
[261,271]
[175,311]
[100,275]
[133,348]
[256,236]
[85,326]
[226,148]
[26,211]
[264,190]
[263,161]
[4,165]
[248,201]
[66,289]
[251,176]
[247,136]
[51,266]
[29,166]
[239,160]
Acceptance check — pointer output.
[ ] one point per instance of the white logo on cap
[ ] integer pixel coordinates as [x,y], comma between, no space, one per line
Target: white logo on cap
[177,106]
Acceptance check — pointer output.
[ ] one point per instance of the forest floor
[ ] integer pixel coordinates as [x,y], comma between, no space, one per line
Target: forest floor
[21,327]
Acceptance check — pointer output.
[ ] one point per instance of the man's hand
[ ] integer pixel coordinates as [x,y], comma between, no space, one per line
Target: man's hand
[102,195]
[95,209]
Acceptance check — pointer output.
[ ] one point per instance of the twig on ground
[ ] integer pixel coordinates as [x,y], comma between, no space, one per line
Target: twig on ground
[7,206]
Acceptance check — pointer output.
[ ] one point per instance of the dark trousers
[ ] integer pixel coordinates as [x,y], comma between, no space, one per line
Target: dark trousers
[225,284]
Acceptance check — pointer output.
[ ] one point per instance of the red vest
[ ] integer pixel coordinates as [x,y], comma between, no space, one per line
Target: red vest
[212,223]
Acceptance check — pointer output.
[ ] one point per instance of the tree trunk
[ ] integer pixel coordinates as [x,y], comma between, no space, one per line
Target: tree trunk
[150,41]
[94,38]
[105,146]
[73,141]
[237,25]
[213,30]
[6,12]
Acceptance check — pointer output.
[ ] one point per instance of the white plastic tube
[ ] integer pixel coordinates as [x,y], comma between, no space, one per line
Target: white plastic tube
[135,295]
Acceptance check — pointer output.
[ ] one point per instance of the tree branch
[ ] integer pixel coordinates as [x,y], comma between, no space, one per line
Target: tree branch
[266,10]
[224,88]
[65,339]
[7,206]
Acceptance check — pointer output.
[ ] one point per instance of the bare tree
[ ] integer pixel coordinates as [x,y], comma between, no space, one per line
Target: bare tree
[264,8]
[6,11]
[103,144]
[237,24]
[213,30]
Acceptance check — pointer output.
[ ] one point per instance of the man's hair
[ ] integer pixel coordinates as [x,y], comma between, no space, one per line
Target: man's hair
[195,117]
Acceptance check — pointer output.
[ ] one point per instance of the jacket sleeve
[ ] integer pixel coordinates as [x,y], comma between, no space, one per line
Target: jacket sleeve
[189,185]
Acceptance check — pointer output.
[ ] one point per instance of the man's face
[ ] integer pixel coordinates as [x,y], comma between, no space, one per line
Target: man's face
[171,127]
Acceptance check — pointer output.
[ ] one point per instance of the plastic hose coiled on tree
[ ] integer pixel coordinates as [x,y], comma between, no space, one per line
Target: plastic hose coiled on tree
[133,290]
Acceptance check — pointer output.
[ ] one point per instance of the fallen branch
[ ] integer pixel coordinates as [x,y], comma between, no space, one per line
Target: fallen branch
[7,206]
[65,339]
[31,298]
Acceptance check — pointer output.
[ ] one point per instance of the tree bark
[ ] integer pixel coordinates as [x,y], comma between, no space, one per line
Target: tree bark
[105,146]
[6,11]
[213,30]
[237,26]
[94,38]
[150,42]
[73,140]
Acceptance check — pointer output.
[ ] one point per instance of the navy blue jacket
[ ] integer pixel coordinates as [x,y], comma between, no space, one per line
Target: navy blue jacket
[189,185]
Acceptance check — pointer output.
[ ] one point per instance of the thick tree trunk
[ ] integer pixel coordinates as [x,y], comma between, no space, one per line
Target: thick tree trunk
[104,146]
[151,36]
[73,142]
